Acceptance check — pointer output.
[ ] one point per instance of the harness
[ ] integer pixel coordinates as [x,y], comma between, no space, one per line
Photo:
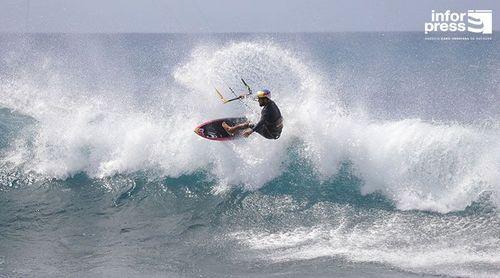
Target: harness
[275,132]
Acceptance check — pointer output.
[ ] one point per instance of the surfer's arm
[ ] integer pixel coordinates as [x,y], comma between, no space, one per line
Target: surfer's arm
[242,125]
[262,121]
[259,125]
[247,132]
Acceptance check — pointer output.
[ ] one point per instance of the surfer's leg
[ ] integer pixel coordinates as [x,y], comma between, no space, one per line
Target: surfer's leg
[241,126]
[236,128]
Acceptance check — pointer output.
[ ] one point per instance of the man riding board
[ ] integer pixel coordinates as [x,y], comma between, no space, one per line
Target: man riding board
[270,123]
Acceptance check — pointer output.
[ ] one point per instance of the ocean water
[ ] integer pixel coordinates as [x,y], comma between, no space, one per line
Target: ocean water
[388,165]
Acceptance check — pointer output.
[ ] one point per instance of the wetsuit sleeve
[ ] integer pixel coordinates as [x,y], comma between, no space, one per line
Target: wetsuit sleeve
[262,121]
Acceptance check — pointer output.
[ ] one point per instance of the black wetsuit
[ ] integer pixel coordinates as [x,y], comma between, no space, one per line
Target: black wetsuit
[271,122]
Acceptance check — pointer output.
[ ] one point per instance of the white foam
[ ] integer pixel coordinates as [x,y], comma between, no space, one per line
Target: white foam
[456,246]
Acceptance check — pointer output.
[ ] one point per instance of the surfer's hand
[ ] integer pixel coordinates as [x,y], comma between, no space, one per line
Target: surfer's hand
[247,132]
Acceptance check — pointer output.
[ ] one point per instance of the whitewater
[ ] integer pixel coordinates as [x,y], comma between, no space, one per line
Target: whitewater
[388,164]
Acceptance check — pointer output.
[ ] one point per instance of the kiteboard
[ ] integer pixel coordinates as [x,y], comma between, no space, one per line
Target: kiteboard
[213,130]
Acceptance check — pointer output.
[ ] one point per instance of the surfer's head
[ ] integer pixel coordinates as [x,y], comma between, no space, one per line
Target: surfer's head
[263,96]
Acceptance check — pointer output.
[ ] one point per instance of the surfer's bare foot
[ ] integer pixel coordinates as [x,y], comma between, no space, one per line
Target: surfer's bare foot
[228,129]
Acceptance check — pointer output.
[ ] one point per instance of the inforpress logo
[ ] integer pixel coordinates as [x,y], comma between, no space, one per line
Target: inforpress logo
[473,21]
[480,21]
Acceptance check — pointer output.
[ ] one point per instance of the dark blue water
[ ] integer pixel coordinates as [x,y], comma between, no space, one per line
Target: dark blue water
[387,165]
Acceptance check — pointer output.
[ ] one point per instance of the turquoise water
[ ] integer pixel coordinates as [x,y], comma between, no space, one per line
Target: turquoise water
[387,166]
